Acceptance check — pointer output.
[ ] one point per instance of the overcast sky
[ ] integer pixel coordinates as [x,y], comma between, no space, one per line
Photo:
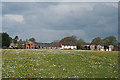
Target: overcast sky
[60,0]
[52,21]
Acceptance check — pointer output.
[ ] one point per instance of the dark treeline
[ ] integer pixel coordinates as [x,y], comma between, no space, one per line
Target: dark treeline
[5,41]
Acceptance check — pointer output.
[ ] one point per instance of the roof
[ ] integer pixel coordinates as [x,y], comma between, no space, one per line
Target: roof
[44,44]
[50,44]
[69,43]
[24,42]
[21,42]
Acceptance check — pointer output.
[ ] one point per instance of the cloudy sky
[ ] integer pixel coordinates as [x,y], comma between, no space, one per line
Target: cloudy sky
[49,21]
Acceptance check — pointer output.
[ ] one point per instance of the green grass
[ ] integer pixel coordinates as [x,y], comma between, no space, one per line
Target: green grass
[0,64]
[59,64]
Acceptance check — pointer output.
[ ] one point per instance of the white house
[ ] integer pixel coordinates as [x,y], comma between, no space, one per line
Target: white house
[68,45]
[100,48]
[92,47]
[111,47]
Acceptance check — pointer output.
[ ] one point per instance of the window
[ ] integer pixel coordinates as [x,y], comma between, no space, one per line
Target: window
[32,47]
[27,47]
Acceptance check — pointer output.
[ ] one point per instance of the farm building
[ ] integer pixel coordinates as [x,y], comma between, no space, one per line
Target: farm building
[68,45]
[49,45]
[92,47]
[58,45]
[98,47]
[13,45]
[30,45]
[24,45]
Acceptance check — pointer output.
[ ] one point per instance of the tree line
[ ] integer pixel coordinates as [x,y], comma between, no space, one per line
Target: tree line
[5,41]
[110,40]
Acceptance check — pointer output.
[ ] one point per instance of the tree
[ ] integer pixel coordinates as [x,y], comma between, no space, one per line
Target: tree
[111,40]
[32,39]
[55,42]
[69,39]
[0,40]
[11,40]
[80,43]
[5,40]
[15,39]
[20,40]
[97,41]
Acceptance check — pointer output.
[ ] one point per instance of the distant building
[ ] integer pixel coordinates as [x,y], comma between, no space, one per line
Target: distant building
[13,45]
[86,47]
[68,45]
[49,45]
[98,47]
[111,47]
[30,45]
[102,48]
[22,43]
[92,47]
[58,45]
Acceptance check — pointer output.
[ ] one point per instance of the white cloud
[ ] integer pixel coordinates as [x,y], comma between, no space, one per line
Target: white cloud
[113,4]
[17,18]
[46,35]
[50,21]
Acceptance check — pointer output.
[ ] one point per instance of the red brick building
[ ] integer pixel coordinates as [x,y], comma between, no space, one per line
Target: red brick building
[30,45]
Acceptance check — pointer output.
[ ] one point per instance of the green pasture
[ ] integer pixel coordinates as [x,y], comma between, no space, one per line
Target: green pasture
[21,63]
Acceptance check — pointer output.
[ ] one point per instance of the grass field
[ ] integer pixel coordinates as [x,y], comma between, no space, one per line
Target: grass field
[59,64]
[0,64]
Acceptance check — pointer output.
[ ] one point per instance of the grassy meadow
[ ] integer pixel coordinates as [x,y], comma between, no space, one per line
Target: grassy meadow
[21,63]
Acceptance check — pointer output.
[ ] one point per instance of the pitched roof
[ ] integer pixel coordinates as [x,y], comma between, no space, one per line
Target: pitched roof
[24,42]
[21,42]
[50,44]
[69,43]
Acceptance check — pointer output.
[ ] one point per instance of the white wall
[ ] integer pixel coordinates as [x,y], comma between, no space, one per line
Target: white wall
[66,47]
